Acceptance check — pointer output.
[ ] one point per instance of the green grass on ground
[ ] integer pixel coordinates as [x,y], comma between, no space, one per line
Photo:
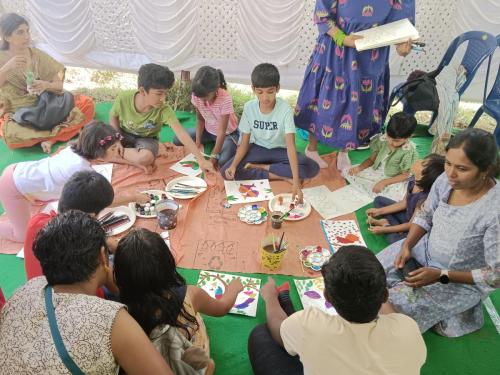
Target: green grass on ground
[476,353]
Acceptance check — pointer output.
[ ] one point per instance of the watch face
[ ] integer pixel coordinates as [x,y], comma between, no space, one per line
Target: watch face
[444,279]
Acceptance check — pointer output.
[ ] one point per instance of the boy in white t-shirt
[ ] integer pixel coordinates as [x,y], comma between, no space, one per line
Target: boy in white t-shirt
[357,341]
[267,141]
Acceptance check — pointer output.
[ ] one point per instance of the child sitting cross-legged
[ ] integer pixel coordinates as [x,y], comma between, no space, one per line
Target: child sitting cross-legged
[392,154]
[140,114]
[215,118]
[267,142]
[397,216]
[165,307]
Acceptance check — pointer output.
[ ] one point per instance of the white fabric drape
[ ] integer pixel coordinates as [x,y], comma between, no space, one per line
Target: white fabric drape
[233,35]
[269,30]
[165,30]
[64,25]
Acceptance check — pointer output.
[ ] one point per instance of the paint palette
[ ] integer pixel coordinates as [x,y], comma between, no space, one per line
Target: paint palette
[281,203]
[147,210]
[314,257]
[186,187]
[252,214]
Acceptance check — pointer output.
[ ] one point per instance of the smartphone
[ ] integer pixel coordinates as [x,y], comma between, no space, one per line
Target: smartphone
[410,266]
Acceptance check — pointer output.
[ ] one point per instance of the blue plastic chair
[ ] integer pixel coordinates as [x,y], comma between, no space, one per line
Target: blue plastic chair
[481,45]
[491,105]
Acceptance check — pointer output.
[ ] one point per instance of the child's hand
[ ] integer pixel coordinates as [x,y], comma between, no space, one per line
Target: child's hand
[269,291]
[379,186]
[373,212]
[354,171]
[297,196]
[235,286]
[230,172]
[206,166]
[376,229]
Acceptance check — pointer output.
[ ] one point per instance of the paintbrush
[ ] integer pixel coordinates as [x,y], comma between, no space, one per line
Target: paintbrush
[281,241]
[189,186]
[274,244]
[292,206]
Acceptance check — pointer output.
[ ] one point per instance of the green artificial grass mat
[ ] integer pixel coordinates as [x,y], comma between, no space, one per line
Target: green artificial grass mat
[476,353]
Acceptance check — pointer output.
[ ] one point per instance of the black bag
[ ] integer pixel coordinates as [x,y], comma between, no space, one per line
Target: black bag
[51,110]
[420,94]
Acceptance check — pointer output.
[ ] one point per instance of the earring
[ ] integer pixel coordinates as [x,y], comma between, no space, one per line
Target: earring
[107,268]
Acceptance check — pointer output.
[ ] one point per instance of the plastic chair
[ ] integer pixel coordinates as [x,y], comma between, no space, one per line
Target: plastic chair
[491,105]
[481,45]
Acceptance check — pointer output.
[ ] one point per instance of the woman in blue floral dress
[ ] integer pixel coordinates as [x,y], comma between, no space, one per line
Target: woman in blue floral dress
[343,99]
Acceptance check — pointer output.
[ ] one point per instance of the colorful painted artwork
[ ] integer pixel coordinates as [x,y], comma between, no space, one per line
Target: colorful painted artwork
[248,191]
[188,166]
[342,233]
[215,283]
[311,294]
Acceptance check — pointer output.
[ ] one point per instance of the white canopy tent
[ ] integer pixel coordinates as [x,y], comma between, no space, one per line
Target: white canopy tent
[233,35]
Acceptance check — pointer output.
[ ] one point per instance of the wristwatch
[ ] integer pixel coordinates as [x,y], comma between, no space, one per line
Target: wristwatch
[443,277]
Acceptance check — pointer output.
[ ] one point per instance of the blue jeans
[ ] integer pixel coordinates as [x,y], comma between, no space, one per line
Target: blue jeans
[277,159]
[228,147]
[393,219]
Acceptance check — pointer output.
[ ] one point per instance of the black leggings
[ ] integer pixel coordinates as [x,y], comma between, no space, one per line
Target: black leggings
[266,355]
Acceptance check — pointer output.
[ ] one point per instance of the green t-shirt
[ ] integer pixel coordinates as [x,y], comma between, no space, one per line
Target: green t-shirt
[146,124]
[396,161]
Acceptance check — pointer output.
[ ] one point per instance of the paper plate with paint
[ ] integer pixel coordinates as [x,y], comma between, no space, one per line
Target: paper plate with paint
[116,220]
[148,210]
[252,214]
[281,203]
[186,187]
[314,257]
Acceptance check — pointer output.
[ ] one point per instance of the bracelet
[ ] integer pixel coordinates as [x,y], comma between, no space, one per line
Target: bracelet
[215,156]
[338,37]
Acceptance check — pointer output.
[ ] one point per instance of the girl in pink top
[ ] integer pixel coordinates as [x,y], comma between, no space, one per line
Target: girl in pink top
[215,118]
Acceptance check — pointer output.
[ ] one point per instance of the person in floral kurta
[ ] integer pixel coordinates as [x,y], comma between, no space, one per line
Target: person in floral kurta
[343,99]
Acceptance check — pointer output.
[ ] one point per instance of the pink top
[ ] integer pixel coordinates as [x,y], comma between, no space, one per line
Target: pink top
[211,113]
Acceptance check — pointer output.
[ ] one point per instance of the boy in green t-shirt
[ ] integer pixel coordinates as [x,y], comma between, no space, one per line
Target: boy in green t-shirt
[139,116]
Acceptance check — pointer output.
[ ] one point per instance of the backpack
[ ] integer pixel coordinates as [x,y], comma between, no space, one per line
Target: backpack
[418,92]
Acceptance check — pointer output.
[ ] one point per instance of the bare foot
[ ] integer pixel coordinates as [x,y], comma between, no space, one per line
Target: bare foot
[377,222]
[257,166]
[46,146]
[313,154]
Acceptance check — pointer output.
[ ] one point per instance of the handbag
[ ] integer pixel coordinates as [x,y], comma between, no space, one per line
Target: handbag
[419,93]
[56,335]
[50,110]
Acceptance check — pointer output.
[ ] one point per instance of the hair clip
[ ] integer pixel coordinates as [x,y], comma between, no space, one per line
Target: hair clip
[105,140]
[119,136]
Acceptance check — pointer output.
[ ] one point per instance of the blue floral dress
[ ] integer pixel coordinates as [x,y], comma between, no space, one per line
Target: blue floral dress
[343,98]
